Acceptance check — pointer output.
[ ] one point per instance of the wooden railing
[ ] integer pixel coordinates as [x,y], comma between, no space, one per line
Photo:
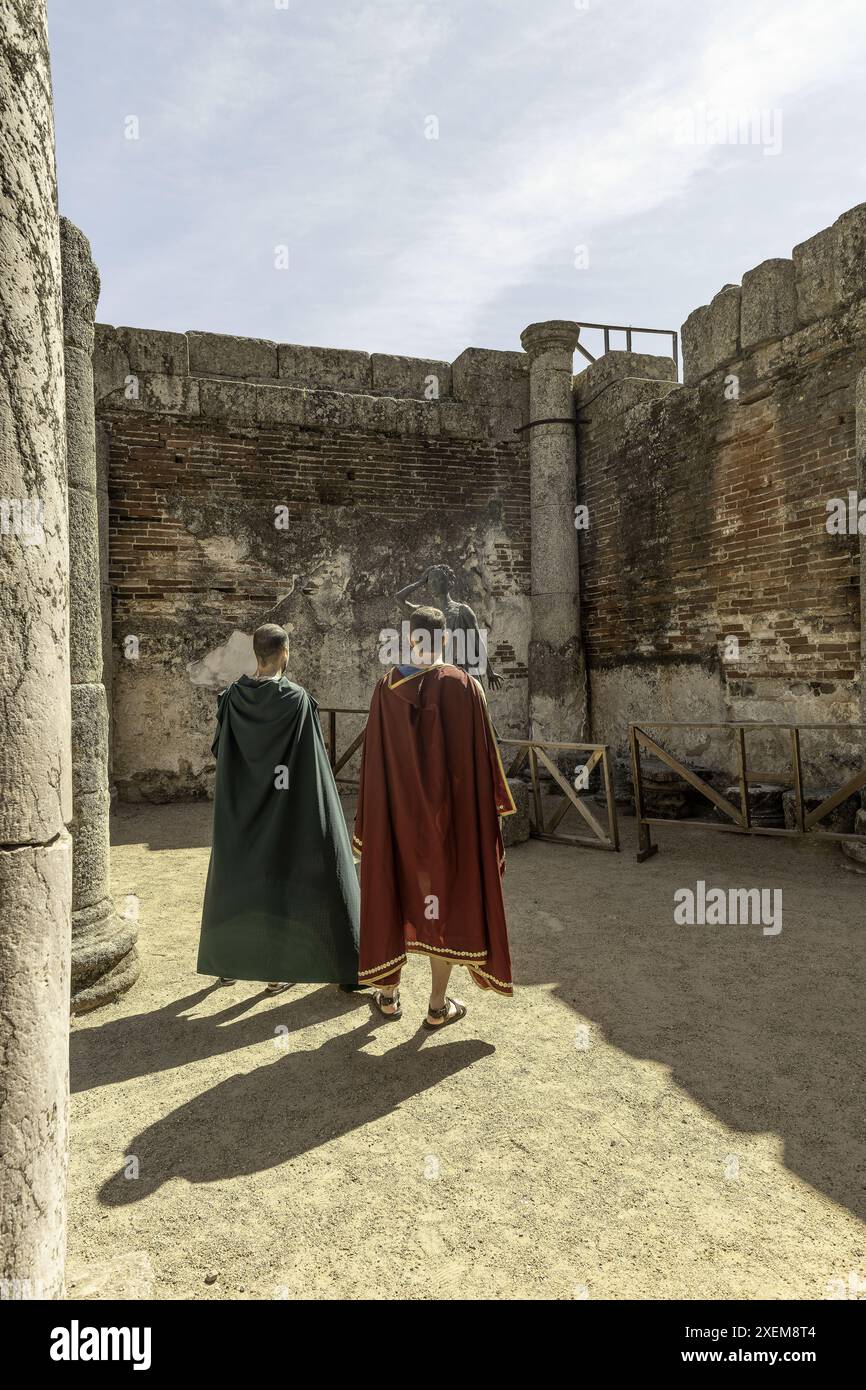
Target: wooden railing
[537,753]
[541,829]
[738,819]
[328,717]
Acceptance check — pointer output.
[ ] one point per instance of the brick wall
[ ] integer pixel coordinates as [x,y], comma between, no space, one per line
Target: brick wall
[711,523]
[412,498]
[195,557]
[708,522]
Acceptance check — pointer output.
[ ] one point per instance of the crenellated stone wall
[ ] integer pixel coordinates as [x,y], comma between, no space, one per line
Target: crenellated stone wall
[483,394]
[712,588]
[823,277]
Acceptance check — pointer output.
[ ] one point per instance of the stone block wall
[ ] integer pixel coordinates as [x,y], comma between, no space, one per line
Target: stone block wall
[383,464]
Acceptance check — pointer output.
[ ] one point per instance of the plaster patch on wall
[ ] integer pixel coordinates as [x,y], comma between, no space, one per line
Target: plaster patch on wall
[224,664]
[224,552]
[236,657]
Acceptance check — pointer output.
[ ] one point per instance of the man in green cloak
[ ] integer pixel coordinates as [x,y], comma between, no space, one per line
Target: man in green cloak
[281,903]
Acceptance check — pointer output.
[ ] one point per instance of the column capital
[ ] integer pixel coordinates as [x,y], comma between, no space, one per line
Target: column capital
[555,333]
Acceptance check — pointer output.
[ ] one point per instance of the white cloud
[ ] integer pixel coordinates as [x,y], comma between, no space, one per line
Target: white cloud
[306,126]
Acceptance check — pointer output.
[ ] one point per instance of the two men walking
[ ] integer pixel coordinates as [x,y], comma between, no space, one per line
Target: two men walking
[281,902]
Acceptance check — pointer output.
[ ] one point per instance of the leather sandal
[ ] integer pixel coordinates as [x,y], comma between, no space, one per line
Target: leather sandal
[445,1015]
[379,998]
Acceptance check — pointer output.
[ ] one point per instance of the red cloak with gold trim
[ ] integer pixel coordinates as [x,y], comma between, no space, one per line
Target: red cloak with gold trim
[427,828]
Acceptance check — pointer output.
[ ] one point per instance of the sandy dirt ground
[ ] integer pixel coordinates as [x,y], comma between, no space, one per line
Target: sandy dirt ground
[661,1111]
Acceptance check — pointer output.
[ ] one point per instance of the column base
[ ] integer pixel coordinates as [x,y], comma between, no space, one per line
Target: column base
[105,960]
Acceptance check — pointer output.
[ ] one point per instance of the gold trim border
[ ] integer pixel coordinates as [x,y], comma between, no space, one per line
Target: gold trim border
[442,951]
[470,959]
[498,986]
[385,968]
[392,684]
[492,732]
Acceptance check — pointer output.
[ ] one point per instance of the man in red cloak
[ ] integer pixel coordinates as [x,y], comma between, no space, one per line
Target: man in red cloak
[427,828]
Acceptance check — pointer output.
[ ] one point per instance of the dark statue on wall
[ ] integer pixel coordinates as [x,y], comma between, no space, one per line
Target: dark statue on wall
[469,646]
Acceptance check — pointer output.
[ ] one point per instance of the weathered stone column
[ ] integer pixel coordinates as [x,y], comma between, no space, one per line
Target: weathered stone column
[856,853]
[860,447]
[104,957]
[35,792]
[557,678]
[102,452]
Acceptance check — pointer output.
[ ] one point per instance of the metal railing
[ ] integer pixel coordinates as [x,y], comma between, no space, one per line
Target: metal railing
[738,819]
[540,829]
[608,328]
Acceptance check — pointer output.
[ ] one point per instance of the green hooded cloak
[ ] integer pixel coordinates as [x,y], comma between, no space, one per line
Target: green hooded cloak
[282,900]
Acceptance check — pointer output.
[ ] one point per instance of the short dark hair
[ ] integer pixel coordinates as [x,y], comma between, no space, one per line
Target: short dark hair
[427,619]
[269,641]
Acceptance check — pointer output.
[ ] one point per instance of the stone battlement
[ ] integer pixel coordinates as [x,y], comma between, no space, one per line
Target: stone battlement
[824,275]
[482,394]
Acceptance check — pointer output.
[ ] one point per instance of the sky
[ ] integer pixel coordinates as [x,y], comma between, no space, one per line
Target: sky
[421,177]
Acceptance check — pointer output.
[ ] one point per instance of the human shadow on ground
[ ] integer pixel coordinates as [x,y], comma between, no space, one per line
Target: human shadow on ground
[121,1049]
[274,1113]
[768,1033]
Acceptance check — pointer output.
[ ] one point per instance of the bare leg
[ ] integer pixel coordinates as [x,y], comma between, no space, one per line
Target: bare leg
[440,971]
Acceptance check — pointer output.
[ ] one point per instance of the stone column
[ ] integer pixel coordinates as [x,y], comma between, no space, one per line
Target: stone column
[104,957]
[102,452]
[35,790]
[860,484]
[557,677]
[856,853]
